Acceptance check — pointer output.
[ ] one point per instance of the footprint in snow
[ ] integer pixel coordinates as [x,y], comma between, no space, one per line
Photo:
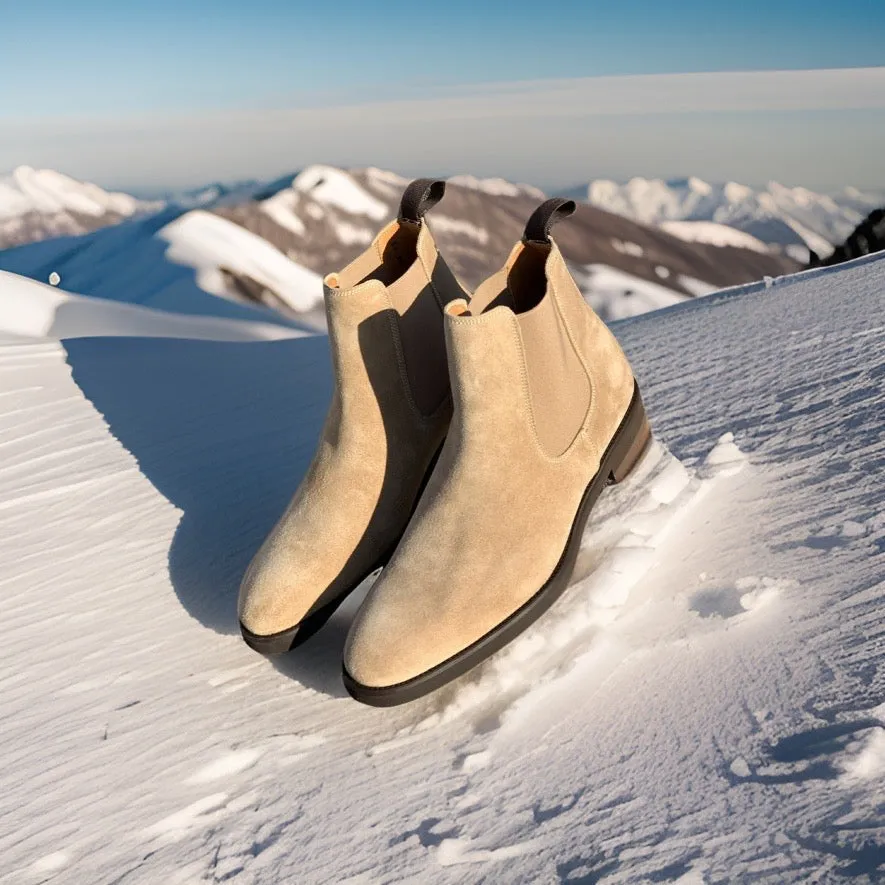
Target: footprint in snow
[746,595]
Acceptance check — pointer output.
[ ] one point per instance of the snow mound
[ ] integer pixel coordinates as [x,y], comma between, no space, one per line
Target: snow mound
[714,234]
[46,191]
[211,244]
[34,309]
[326,184]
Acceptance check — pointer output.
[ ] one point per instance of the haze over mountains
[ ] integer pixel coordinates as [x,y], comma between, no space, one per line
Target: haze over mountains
[633,247]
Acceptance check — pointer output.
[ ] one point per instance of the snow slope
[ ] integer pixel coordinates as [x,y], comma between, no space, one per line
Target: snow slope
[713,233]
[211,244]
[705,705]
[776,215]
[133,262]
[616,295]
[41,311]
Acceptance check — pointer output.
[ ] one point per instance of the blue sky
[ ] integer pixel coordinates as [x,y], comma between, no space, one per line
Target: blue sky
[84,81]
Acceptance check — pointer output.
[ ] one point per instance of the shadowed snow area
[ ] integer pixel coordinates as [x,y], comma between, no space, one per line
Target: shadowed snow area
[706,703]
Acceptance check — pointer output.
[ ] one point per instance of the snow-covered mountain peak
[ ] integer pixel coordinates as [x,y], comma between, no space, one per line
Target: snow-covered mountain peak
[698,185]
[37,204]
[777,215]
[735,192]
[326,184]
[27,189]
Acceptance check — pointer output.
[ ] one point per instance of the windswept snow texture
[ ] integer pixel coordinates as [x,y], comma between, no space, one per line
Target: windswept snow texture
[706,704]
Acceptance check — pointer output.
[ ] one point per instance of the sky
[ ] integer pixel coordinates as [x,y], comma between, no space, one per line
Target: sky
[162,94]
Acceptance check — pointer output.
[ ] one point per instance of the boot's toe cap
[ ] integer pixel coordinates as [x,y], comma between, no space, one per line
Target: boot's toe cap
[273,599]
[385,649]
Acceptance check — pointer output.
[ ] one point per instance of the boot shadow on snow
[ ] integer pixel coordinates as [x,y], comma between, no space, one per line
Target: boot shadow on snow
[225,432]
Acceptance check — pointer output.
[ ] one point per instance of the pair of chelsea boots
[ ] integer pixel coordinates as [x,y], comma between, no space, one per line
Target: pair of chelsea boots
[467,440]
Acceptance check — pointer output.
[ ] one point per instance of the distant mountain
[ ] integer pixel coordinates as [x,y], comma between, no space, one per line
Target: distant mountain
[328,215]
[776,215]
[219,193]
[36,204]
[268,245]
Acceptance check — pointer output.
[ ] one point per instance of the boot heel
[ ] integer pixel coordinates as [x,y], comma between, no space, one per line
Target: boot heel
[636,433]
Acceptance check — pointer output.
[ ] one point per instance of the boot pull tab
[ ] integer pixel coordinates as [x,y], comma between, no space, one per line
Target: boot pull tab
[550,212]
[419,198]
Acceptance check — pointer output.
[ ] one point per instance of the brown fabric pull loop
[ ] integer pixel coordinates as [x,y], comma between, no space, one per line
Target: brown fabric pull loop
[419,198]
[550,212]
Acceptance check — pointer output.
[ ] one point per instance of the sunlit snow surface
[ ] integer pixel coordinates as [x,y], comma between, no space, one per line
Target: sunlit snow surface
[211,244]
[706,703]
[44,190]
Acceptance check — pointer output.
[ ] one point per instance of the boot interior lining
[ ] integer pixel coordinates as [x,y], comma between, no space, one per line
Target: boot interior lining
[521,287]
[385,262]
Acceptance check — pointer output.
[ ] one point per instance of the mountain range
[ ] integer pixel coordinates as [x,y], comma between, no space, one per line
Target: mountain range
[793,219]
[36,204]
[268,245]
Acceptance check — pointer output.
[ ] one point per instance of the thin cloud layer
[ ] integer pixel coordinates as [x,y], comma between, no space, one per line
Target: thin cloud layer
[524,126]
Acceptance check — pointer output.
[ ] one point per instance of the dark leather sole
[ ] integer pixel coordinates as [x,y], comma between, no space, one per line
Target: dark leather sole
[628,445]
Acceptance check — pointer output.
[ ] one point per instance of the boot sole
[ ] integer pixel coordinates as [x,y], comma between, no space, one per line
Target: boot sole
[271,644]
[630,442]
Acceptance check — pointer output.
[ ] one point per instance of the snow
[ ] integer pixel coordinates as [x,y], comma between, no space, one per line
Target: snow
[40,311]
[460,227]
[705,704]
[331,186]
[615,294]
[628,248]
[209,243]
[714,234]
[46,191]
[389,183]
[281,208]
[498,187]
[774,215]
[128,262]
[351,234]
[695,286]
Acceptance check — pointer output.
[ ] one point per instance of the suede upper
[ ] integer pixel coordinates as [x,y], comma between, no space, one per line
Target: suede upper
[389,414]
[539,390]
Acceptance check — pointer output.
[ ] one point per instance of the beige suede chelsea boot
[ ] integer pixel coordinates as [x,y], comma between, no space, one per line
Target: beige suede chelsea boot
[389,414]
[546,414]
